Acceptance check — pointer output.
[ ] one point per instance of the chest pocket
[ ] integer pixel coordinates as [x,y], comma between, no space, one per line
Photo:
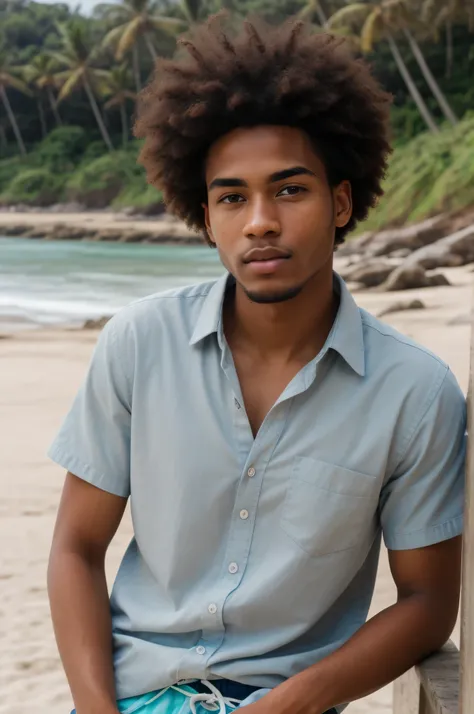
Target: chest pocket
[328,508]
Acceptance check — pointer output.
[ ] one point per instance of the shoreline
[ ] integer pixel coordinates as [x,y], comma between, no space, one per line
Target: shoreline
[97,226]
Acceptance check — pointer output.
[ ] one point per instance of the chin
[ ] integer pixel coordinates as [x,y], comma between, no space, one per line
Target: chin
[271,294]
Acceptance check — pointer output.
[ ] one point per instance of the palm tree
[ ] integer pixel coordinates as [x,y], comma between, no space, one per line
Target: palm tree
[376,21]
[77,56]
[436,13]
[134,20]
[41,73]
[8,78]
[117,84]
[430,79]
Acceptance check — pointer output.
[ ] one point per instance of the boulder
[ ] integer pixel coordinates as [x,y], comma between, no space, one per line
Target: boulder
[388,241]
[449,252]
[369,274]
[96,324]
[409,277]
[401,307]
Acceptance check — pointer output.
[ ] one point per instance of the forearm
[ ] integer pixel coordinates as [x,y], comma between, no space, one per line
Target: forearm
[81,618]
[384,648]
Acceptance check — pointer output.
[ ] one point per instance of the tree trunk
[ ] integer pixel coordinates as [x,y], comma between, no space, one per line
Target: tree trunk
[432,83]
[151,46]
[12,119]
[123,114]
[98,118]
[411,86]
[449,49]
[54,107]
[321,14]
[44,130]
[136,69]
[3,138]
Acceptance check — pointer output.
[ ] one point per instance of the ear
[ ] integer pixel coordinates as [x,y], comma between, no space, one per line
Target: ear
[208,222]
[342,204]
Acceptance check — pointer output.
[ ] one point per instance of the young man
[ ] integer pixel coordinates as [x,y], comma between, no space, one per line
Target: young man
[266,429]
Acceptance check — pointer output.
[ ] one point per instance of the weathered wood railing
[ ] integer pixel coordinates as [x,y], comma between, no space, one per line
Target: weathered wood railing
[444,683]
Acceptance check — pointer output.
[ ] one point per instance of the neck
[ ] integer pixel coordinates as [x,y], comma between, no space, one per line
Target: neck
[286,331]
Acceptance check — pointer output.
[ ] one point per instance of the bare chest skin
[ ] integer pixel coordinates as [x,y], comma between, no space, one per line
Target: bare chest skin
[261,384]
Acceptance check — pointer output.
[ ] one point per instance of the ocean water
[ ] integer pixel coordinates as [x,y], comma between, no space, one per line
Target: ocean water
[47,283]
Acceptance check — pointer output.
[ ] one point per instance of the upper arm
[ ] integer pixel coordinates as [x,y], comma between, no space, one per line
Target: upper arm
[94,441]
[88,518]
[435,569]
[434,572]
[422,501]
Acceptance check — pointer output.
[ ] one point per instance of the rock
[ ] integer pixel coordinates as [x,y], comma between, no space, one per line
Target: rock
[15,230]
[354,246]
[409,277]
[60,231]
[131,236]
[369,274]
[402,306]
[107,235]
[394,239]
[401,253]
[438,280]
[96,324]
[449,252]
[463,319]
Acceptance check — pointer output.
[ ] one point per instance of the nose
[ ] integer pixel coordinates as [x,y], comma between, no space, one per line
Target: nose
[262,220]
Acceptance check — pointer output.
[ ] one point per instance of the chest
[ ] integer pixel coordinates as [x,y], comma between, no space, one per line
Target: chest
[261,386]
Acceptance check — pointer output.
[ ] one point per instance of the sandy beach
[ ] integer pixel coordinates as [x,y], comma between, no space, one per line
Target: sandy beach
[40,372]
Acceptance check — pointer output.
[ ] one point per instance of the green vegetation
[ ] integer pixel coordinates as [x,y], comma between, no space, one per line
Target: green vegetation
[68,86]
[431,174]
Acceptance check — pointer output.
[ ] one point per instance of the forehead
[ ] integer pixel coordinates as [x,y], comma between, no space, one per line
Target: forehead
[260,151]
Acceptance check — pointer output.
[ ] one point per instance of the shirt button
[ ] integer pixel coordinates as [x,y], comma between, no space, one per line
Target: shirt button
[251,472]
[212,608]
[244,514]
[200,650]
[233,568]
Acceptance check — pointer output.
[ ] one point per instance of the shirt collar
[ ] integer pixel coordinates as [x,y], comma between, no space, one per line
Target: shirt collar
[346,337]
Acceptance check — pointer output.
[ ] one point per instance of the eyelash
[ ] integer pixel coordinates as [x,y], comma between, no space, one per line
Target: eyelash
[231,195]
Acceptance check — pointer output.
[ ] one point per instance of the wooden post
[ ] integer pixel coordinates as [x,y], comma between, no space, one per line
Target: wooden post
[467,601]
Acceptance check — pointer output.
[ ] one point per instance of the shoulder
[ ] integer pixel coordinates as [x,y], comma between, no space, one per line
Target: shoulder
[415,376]
[174,306]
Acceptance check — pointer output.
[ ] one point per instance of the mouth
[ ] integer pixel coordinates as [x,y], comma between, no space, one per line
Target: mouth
[264,261]
[266,266]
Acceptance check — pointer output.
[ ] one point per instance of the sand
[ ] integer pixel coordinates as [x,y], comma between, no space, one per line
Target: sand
[39,375]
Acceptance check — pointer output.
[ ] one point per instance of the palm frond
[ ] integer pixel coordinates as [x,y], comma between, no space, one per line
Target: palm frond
[70,84]
[112,38]
[129,36]
[352,15]
[371,30]
[170,25]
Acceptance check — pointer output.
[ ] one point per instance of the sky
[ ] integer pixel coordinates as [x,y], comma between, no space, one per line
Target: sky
[86,6]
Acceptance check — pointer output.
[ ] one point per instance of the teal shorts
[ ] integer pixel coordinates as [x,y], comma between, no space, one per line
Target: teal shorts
[183,699]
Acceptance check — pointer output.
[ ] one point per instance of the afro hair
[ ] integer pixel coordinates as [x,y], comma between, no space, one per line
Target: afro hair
[261,75]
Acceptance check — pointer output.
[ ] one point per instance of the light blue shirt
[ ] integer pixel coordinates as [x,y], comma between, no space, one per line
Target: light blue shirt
[255,558]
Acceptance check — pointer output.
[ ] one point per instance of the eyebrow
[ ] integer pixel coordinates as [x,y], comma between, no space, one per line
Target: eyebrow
[274,178]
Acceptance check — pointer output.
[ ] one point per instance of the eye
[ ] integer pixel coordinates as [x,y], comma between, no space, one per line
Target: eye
[231,198]
[291,190]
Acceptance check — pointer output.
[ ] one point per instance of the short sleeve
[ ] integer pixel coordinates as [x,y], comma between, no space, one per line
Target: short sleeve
[422,502]
[94,440]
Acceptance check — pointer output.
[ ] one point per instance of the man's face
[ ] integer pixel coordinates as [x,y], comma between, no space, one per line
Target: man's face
[270,210]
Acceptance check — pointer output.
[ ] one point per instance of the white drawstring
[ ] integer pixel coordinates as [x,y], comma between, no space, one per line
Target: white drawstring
[213,701]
